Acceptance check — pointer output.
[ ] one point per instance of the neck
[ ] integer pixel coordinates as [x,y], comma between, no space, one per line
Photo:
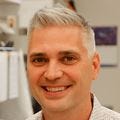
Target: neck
[81,112]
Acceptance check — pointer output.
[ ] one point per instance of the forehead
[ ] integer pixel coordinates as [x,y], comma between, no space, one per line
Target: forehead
[57,38]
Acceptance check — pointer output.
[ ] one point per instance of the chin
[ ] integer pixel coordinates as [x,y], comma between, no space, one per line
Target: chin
[57,105]
[55,108]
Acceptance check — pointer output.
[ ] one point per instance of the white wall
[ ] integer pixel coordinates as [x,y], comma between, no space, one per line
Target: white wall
[28,8]
[105,13]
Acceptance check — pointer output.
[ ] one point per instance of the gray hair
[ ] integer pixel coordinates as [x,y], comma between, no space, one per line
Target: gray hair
[58,15]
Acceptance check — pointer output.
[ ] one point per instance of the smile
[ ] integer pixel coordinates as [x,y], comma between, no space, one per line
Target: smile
[55,89]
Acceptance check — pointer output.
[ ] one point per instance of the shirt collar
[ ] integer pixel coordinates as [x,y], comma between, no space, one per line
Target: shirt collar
[96,108]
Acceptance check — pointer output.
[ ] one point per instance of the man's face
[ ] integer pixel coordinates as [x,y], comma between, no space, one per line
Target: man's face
[59,69]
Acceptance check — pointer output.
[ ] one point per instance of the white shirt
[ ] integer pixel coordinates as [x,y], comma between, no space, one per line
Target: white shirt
[99,112]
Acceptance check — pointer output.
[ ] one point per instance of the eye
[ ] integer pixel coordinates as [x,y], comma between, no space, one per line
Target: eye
[39,61]
[69,60]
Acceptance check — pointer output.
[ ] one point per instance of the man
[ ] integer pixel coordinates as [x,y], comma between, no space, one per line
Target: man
[62,64]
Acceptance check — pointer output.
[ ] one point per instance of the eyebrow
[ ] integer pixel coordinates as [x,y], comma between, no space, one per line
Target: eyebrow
[37,54]
[68,52]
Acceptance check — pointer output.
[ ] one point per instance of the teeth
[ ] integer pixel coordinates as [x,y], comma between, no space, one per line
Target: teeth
[55,89]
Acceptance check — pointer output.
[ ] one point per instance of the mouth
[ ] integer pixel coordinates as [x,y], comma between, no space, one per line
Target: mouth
[55,89]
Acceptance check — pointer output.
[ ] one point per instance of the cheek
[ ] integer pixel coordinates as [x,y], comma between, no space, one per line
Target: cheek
[86,70]
[74,73]
[80,74]
[34,75]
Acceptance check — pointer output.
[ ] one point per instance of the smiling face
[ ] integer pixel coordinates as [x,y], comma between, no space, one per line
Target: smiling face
[59,69]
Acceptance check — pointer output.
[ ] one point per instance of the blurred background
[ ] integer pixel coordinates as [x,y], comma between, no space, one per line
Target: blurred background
[16,102]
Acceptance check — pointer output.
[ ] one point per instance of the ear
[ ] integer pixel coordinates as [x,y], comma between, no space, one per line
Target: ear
[96,65]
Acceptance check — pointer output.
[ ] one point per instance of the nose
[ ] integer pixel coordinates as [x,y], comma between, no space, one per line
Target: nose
[53,71]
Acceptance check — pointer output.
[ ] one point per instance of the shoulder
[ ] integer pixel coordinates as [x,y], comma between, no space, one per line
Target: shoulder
[100,112]
[112,115]
[37,116]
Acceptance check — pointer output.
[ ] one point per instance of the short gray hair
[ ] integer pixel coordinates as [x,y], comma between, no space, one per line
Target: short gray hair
[58,15]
